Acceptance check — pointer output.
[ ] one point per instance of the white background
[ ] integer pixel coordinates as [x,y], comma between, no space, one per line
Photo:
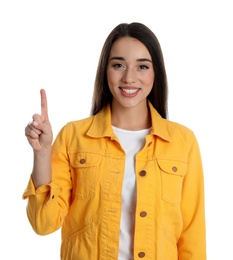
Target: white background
[56,45]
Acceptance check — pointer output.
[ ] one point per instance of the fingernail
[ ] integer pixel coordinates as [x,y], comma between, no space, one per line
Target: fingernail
[35,123]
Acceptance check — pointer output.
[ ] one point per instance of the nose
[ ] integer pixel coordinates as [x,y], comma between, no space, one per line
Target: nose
[129,76]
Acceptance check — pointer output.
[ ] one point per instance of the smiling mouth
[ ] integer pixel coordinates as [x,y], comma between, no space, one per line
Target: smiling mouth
[129,91]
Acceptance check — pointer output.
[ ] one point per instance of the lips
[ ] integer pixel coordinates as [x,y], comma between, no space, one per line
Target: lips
[129,92]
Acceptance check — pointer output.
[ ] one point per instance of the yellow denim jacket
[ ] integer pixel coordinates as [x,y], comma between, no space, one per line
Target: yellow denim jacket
[84,196]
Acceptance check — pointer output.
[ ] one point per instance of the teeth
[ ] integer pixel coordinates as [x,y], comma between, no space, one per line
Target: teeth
[130,91]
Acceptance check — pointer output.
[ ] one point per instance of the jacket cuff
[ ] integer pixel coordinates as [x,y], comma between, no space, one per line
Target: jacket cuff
[52,187]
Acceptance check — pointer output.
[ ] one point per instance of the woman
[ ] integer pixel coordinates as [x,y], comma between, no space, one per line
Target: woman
[125,183]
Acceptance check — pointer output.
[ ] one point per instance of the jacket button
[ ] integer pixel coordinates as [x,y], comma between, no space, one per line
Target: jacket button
[142,173]
[141,254]
[174,168]
[143,214]
[82,161]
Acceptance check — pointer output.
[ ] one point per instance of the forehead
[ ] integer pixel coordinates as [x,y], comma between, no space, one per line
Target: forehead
[128,46]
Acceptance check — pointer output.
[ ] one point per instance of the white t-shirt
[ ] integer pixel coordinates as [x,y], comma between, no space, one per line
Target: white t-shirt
[132,142]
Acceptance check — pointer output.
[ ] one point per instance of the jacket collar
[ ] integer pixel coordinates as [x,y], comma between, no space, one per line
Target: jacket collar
[101,124]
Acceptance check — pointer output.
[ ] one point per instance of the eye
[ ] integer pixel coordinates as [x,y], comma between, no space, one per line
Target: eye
[118,65]
[143,67]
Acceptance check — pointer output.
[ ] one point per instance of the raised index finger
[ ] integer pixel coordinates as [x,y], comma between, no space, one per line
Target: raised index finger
[44,106]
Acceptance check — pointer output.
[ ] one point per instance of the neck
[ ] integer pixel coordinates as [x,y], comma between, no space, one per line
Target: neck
[135,118]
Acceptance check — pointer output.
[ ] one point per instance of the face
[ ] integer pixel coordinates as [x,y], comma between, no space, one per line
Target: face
[130,73]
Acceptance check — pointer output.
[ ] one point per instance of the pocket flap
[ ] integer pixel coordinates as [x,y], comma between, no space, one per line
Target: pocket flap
[172,166]
[84,159]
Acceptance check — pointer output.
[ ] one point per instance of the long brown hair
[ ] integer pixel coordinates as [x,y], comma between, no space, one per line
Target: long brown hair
[158,95]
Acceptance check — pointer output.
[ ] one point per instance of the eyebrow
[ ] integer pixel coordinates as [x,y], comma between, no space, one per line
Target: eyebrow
[140,60]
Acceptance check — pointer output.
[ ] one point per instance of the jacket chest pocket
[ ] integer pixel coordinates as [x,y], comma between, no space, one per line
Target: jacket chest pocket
[85,167]
[172,174]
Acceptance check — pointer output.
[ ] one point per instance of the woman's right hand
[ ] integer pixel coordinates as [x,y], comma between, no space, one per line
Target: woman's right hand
[39,131]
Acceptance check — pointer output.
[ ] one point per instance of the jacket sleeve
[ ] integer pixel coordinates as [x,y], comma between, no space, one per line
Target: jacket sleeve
[192,242]
[48,204]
